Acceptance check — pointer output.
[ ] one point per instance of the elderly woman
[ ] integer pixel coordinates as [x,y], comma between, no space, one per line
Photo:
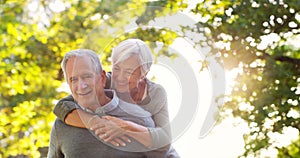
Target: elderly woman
[131,61]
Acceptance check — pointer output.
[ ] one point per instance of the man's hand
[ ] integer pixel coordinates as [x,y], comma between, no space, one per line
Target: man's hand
[109,130]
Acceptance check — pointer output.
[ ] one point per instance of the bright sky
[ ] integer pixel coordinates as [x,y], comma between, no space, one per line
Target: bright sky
[225,140]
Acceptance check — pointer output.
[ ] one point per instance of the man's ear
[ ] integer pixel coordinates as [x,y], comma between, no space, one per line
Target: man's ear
[103,76]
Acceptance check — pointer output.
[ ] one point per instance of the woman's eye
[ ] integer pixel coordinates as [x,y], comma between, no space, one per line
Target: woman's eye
[128,72]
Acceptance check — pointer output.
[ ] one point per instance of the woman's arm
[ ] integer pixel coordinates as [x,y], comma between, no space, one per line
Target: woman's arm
[156,137]
[136,131]
[67,111]
[153,137]
[78,118]
[158,106]
[161,134]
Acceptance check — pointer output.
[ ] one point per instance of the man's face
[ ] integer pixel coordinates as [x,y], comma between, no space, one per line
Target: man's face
[126,74]
[85,83]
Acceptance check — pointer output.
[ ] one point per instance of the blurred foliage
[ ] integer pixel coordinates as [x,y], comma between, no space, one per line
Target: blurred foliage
[34,37]
[293,150]
[254,37]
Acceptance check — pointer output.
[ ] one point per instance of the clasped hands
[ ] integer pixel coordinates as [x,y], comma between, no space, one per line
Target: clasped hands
[110,129]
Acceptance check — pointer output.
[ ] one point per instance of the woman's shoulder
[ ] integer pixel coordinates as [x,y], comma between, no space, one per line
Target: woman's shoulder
[155,88]
[156,99]
[157,96]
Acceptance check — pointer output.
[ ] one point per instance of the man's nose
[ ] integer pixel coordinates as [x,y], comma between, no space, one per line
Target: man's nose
[82,84]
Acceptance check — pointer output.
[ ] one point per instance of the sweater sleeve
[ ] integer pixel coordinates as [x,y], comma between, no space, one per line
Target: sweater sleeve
[161,134]
[64,107]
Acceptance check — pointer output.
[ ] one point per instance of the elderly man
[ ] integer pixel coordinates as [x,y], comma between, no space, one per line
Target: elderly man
[83,72]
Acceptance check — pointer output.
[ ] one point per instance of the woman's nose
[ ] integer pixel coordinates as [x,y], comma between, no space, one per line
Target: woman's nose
[120,76]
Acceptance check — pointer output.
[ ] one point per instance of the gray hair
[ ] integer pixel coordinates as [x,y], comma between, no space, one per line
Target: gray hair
[130,47]
[81,53]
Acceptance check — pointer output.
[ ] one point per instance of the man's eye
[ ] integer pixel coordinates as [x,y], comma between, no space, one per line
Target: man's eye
[73,80]
[116,69]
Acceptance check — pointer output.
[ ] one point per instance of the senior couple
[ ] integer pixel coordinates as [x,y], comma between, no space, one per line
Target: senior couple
[122,114]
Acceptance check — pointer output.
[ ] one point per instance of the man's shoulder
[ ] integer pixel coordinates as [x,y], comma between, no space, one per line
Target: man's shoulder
[133,109]
[58,124]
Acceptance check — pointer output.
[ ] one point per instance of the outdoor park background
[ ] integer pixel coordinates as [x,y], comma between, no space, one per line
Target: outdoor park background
[257,43]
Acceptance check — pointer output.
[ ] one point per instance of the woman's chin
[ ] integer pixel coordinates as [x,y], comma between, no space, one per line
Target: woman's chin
[121,90]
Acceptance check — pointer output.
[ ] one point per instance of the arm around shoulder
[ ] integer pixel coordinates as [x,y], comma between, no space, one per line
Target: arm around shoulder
[69,112]
[64,107]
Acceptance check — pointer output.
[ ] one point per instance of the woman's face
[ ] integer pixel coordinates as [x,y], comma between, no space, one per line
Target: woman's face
[126,74]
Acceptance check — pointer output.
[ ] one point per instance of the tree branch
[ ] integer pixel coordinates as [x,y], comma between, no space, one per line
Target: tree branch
[288,59]
[282,58]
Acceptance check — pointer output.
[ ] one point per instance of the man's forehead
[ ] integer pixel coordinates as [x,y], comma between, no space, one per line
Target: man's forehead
[81,72]
[78,58]
[79,66]
[79,61]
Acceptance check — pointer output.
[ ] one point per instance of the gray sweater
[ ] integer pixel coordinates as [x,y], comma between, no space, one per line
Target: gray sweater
[155,103]
[72,142]
[68,141]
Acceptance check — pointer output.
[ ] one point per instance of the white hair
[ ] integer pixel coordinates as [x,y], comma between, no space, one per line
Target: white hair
[130,47]
[81,53]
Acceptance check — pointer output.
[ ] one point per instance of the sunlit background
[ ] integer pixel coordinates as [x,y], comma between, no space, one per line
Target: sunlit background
[255,42]
[224,136]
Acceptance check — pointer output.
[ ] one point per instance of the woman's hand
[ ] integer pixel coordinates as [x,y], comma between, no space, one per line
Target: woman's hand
[133,130]
[110,129]
[121,123]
